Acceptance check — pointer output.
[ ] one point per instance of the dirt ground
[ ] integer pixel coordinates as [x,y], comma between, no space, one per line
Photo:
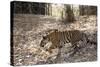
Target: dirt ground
[29,30]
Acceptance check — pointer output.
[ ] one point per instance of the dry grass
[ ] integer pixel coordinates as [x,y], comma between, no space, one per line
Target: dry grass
[29,29]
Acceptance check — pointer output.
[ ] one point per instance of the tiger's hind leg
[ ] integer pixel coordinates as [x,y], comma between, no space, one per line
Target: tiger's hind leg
[73,50]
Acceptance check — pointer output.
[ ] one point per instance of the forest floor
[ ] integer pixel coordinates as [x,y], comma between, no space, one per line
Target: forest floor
[30,29]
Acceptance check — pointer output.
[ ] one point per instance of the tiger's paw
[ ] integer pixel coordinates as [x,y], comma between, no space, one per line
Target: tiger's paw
[50,51]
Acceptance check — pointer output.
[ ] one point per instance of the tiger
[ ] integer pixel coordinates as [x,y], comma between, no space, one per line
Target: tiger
[59,38]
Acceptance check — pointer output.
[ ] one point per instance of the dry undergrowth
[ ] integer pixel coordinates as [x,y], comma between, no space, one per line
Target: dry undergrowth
[28,32]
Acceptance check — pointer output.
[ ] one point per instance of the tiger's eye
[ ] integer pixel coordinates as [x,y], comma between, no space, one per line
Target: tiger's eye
[42,45]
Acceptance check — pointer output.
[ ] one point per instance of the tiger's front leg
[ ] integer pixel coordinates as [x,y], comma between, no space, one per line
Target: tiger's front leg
[51,47]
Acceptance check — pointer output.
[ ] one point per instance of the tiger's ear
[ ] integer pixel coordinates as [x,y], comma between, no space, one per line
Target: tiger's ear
[44,37]
[55,30]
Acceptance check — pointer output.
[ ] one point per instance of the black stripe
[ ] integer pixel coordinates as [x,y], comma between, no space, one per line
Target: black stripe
[64,37]
[68,36]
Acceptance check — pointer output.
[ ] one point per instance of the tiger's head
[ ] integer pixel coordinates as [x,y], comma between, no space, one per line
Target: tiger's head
[47,37]
[44,41]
